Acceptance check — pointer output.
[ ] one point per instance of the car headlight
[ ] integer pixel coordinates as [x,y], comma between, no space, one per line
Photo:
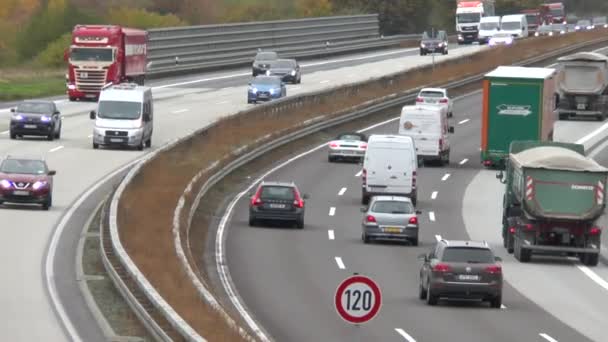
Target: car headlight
[71,86]
[253,89]
[293,72]
[550,33]
[509,41]
[271,91]
[45,118]
[577,27]
[562,32]
[39,185]
[5,184]
[422,45]
[605,25]
[18,117]
[536,34]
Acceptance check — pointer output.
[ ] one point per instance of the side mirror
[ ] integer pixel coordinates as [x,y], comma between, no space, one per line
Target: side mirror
[56,112]
[451,129]
[52,173]
[423,257]
[500,176]
[363,209]
[418,212]
[92,115]
[12,110]
[499,259]
[306,196]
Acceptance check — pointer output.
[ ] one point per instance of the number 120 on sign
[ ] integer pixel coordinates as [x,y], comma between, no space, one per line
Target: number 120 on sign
[358,299]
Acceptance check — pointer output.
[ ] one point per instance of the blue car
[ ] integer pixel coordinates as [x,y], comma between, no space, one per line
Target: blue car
[265,88]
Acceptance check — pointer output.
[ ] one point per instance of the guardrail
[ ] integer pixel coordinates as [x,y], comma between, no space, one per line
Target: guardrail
[183,49]
[164,322]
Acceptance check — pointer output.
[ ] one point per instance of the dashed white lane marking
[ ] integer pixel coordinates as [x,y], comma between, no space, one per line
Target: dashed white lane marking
[332,211]
[324,81]
[502,306]
[359,173]
[405,335]
[432,216]
[222,102]
[331,235]
[342,191]
[438,238]
[56,149]
[464,161]
[340,263]
[434,195]
[463,121]
[445,177]
[593,276]
[5,132]
[547,337]
[180,111]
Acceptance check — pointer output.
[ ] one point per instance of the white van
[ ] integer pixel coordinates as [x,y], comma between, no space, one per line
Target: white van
[515,24]
[429,127]
[389,167]
[488,26]
[124,117]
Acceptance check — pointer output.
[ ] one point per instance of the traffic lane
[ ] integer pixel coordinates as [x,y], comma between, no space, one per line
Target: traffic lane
[600,154]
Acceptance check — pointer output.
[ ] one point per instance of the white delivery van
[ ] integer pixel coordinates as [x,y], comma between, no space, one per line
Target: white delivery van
[389,167]
[488,26]
[124,117]
[429,128]
[515,25]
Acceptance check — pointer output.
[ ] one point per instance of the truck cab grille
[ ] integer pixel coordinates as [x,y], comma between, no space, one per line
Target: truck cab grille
[90,81]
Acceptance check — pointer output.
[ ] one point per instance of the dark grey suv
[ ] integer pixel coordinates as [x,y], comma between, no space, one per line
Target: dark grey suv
[277,201]
[461,270]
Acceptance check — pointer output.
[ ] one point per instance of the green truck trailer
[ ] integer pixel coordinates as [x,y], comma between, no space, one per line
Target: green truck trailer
[518,104]
[553,197]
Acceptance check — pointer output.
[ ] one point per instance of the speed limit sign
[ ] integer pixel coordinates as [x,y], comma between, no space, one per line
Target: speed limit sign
[358,299]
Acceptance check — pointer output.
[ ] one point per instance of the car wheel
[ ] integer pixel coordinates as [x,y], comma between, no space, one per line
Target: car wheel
[496,302]
[430,298]
[421,292]
[299,80]
[58,135]
[365,238]
[414,241]
[330,159]
[49,202]
[95,146]
[140,147]
[300,223]
[252,222]
[149,142]
[50,137]
[13,135]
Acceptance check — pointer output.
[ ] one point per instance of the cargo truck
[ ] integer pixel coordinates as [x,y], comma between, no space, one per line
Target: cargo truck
[553,197]
[556,12]
[101,55]
[468,18]
[533,18]
[518,104]
[582,84]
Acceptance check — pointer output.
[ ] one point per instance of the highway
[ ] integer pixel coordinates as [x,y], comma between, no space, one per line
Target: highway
[38,246]
[287,277]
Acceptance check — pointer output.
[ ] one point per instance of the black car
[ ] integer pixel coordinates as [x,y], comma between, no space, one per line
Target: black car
[261,62]
[434,43]
[277,201]
[41,118]
[287,69]
[461,270]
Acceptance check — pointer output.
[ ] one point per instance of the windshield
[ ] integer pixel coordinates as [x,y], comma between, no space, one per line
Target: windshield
[468,255]
[599,20]
[264,56]
[559,27]
[465,18]
[488,26]
[513,25]
[277,192]
[557,12]
[431,94]
[545,28]
[583,23]
[267,81]
[37,108]
[23,166]
[532,18]
[350,137]
[392,207]
[283,64]
[91,55]
[120,110]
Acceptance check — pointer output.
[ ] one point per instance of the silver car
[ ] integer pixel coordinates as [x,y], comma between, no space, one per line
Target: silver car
[347,146]
[390,218]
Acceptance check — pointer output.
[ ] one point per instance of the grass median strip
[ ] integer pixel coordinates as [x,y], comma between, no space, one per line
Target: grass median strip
[25,83]
[146,209]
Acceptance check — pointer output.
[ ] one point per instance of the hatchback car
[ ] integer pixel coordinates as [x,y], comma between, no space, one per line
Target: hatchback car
[287,69]
[544,30]
[501,38]
[559,29]
[261,62]
[41,118]
[277,201]
[583,25]
[436,96]
[600,22]
[265,88]
[461,270]
[24,180]
[350,145]
[390,218]
[434,43]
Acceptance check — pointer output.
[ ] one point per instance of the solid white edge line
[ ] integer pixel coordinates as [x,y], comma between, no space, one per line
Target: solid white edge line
[547,337]
[56,149]
[434,195]
[180,111]
[405,335]
[462,162]
[340,263]
[463,121]
[438,238]
[445,177]
[432,216]
[331,235]
[342,191]
[332,211]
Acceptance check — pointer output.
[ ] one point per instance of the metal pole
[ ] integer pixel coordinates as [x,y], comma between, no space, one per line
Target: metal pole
[433,53]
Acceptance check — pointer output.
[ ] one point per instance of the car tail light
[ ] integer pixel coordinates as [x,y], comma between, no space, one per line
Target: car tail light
[363,146]
[487,162]
[595,231]
[256,200]
[333,144]
[529,226]
[419,99]
[443,101]
[512,230]
[298,202]
[442,268]
[493,269]
[413,220]
[370,218]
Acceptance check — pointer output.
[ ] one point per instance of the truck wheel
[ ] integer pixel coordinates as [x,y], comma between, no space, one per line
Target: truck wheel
[364,199]
[414,199]
[590,259]
[522,255]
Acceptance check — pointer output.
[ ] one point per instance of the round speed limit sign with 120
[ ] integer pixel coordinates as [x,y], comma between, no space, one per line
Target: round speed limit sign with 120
[358,299]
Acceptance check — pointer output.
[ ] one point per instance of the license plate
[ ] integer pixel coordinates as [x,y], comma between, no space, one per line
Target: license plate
[392,230]
[581,106]
[431,101]
[116,140]
[468,277]
[30,126]
[21,193]
[277,206]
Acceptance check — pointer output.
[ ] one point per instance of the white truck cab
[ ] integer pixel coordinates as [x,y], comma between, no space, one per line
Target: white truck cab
[488,26]
[124,117]
[515,24]
[428,126]
[389,167]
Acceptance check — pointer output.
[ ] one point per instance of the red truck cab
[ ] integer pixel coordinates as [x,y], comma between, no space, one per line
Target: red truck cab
[104,54]
[556,11]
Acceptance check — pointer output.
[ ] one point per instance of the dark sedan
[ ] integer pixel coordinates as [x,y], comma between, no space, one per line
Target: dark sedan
[41,118]
[287,69]
[434,43]
[26,180]
[261,62]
